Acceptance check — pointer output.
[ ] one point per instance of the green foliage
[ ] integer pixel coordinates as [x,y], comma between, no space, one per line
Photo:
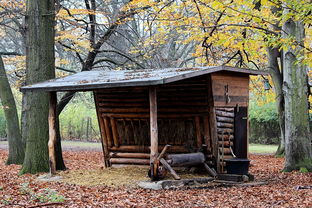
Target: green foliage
[50,195]
[18,100]
[43,196]
[78,121]
[303,170]
[264,113]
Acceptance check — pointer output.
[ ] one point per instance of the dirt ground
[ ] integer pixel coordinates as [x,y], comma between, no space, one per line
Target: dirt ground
[282,190]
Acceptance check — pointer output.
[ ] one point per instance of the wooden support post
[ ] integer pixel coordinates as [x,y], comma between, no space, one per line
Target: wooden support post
[52,132]
[213,124]
[163,152]
[210,171]
[214,136]
[154,133]
[102,131]
[198,133]
[169,168]
[153,123]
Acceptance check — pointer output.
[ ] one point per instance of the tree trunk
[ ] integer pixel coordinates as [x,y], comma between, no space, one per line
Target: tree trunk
[298,152]
[277,78]
[16,145]
[40,60]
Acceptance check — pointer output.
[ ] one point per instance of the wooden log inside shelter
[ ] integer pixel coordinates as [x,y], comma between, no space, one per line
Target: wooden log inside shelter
[103,134]
[191,159]
[164,109]
[198,133]
[138,148]
[129,155]
[52,131]
[160,115]
[129,161]
[115,132]
[207,136]
[108,132]
[153,123]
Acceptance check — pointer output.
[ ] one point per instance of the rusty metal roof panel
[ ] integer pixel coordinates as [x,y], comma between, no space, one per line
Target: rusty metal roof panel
[90,80]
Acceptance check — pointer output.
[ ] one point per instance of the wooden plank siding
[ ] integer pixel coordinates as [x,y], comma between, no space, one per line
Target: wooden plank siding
[237,87]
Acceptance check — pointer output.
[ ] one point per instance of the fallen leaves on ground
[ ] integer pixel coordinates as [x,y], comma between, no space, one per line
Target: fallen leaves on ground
[281,191]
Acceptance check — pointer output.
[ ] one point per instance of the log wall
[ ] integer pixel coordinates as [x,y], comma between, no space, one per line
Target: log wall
[183,119]
[225,128]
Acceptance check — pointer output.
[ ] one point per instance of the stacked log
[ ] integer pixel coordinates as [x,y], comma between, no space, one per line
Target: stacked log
[136,154]
[225,129]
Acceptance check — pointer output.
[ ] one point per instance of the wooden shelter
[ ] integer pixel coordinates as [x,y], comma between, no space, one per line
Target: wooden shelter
[141,111]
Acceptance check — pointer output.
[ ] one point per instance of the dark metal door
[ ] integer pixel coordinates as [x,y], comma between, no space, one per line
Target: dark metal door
[240,132]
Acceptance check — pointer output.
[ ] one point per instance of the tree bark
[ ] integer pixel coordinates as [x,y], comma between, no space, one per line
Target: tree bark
[277,78]
[16,145]
[298,152]
[40,66]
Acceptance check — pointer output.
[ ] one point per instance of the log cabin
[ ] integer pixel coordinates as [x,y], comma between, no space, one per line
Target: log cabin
[141,111]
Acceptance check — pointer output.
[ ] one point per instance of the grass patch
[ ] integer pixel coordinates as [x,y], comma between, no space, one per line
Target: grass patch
[262,148]
[127,176]
[107,177]
[253,148]
[81,144]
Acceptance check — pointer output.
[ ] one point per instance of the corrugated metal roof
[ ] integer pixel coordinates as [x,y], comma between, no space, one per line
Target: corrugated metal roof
[89,80]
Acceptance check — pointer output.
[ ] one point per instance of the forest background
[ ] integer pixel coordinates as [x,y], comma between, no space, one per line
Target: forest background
[138,43]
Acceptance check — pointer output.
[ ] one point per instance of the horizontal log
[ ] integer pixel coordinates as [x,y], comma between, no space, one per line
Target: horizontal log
[129,161]
[225,131]
[226,143]
[129,155]
[199,92]
[225,119]
[225,125]
[160,115]
[224,114]
[226,156]
[146,110]
[226,109]
[226,137]
[191,159]
[121,100]
[227,151]
[146,104]
[144,99]
[231,104]
[144,149]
